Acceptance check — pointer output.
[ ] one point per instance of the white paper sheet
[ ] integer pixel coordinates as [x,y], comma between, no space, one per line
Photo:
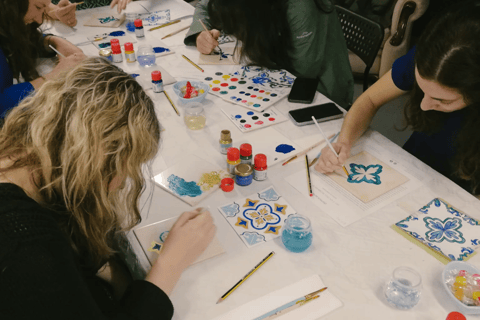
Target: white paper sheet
[315,309]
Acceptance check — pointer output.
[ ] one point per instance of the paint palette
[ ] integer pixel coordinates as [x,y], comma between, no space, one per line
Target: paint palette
[259,217]
[227,57]
[152,237]
[191,180]
[246,120]
[105,20]
[104,42]
[369,177]
[251,87]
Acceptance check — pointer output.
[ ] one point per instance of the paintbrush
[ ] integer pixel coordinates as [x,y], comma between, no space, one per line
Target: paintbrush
[306,151]
[58,52]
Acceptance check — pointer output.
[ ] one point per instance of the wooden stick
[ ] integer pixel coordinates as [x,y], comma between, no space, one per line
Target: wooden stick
[171,102]
[164,25]
[175,32]
[193,63]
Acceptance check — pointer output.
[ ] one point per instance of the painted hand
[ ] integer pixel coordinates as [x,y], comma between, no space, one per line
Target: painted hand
[66,13]
[207,41]
[188,238]
[328,161]
[121,4]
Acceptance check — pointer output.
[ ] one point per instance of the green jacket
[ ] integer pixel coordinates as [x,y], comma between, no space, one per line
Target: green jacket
[319,48]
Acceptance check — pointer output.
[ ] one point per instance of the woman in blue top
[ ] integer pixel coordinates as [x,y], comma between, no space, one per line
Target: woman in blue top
[443,75]
[21,43]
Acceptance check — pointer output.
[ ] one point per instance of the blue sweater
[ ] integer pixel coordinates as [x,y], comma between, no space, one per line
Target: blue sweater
[10,94]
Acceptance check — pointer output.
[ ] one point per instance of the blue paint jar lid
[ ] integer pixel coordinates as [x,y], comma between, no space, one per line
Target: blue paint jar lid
[243,170]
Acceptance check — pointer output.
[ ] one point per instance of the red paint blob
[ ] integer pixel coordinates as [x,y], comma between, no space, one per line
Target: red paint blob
[259,122]
[253,96]
[247,126]
[244,101]
[216,89]
[271,119]
[261,91]
[224,84]
[234,79]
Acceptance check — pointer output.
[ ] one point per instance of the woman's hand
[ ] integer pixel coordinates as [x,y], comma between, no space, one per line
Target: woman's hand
[65,47]
[66,63]
[121,4]
[65,12]
[207,41]
[328,161]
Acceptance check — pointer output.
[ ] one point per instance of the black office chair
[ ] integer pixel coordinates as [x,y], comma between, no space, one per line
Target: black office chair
[363,36]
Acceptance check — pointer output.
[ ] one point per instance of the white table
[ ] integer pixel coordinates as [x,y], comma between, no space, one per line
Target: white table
[354,262]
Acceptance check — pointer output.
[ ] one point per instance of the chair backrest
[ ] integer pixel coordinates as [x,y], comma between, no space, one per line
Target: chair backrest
[364,37]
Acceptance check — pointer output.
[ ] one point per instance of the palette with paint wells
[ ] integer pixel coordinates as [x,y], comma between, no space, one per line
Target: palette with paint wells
[153,236]
[191,180]
[248,120]
[251,87]
[259,217]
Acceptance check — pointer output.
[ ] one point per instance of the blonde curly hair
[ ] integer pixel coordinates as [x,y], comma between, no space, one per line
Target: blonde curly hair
[78,133]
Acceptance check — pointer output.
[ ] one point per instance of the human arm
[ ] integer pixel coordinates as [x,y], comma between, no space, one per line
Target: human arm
[357,121]
[64,11]
[121,4]
[196,27]
[188,238]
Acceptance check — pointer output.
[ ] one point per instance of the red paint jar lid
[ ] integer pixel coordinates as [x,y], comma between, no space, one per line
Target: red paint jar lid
[233,154]
[114,40]
[260,161]
[245,149]
[227,184]
[156,75]
[116,48]
[138,23]
[128,46]
[455,316]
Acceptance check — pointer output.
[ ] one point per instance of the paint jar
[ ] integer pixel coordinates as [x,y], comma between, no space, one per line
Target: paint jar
[227,184]
[129,21]
[157,83]
[146,55]
[225,141]
[404,288]
[116,53]
[129,52]
[297,233]
[260,167]
[139,33]
[106,53]
[194,116]
[243,174]
[114,40]
[233,159]
[246,153]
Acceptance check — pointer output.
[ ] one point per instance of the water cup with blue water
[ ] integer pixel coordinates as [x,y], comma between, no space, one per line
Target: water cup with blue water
[297,233]
[403,290]
[146,56]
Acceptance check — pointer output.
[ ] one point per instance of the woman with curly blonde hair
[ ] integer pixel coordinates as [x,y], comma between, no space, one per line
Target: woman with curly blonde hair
[71,160]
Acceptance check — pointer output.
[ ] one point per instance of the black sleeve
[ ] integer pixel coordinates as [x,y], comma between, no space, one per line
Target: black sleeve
[40,279]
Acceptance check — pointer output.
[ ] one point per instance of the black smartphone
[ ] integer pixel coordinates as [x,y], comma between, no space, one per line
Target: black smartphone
[321,112]
[303,90]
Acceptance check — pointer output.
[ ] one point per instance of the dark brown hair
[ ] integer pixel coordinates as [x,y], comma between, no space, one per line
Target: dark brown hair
[19,41]
[261,26]
[448,53]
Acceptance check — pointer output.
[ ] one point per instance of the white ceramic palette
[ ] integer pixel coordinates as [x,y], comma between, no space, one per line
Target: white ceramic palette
[248,120]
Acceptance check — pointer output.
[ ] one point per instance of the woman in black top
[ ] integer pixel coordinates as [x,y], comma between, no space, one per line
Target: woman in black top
[71,161]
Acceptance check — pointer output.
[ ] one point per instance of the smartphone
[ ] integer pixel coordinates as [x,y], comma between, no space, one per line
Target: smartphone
[321,112]
[303,90]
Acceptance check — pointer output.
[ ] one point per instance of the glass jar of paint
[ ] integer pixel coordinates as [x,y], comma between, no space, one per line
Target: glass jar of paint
[403,290]
[146,55]
[139,32]
[129,21]
[129,52]
[225,141]
[106,53]
[116,53]
[297,233]
[243,174]
[260,167]
[246,153]
[157,83]
[194,116]
[233,159]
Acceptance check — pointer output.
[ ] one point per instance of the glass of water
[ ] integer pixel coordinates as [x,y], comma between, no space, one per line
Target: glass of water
[404,288]
[146,55]
[297,233]
[194,116]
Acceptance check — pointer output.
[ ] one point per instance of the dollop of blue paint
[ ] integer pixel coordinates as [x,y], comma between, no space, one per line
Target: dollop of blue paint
[134,75]
[116,33]
[238,116]
[183,188]
[250,113]
[160,49]
[284,148]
